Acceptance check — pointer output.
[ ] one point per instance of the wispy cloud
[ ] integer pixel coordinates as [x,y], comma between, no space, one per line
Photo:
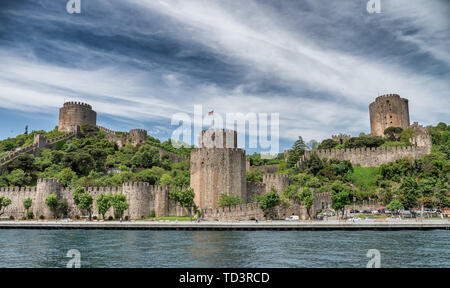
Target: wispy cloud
[317,63]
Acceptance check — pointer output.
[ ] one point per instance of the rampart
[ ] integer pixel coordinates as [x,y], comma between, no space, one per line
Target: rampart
[40,142]
[367,157]
[251,211]
[142,197]
[275,181]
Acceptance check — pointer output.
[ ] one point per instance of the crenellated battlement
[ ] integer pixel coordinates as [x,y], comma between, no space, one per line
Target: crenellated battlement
[374,156]
[47,180]
[383,97]
[77,104]
[275,181]
[18,189]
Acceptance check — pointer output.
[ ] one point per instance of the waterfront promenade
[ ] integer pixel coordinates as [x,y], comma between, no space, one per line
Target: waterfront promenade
[242,225]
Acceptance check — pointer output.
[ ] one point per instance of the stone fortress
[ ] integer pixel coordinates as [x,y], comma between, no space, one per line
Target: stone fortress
[386,111]
[217,167]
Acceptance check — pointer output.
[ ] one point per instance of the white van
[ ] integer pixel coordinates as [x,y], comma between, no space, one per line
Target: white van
[292,218]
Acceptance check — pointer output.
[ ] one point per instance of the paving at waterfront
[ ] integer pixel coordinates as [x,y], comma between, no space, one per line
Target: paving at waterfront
[241,225]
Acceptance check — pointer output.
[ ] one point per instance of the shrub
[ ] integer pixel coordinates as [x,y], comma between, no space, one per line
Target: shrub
[11,217]
[110,218]
[41,217]
[30,214]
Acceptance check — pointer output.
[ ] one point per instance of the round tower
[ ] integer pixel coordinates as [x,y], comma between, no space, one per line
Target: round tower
[44,188]
[74,114]
[388,111]
[216,171]
[161,201]
[218,138]
[138,136]
[139,197]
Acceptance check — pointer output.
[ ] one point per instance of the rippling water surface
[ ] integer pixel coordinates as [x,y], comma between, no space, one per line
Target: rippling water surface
[98,248]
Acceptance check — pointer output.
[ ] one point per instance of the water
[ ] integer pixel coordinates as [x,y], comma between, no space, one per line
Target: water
[98,248]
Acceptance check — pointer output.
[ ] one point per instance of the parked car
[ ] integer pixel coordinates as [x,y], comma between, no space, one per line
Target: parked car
[374,212]
[292,218]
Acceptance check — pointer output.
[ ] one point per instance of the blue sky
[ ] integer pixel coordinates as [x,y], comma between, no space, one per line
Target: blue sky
[319,63]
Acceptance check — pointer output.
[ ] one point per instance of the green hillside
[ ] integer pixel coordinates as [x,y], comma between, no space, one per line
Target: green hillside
[412,182]
[92,160]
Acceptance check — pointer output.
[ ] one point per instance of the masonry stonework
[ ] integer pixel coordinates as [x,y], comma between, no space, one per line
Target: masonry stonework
[74,114]
[388,111]
[275,181]
[216,171]
[142,197]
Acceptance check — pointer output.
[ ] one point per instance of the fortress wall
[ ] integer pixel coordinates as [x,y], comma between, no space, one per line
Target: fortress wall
[269,169]
[40,142]
[17,195]
[254,189]
[275,181]
[175,209]
[216,171]
[322,201]
[142,197]
[250,211]
[138,136]
[175,158]
[367,157]
[121,139]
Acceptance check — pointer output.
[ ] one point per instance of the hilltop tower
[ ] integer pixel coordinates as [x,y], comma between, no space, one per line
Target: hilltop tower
[138,136]
[74,114]
[218,167]
[388,111]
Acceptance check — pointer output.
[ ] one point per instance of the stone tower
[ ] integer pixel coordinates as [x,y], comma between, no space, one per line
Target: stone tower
[138,136]
[388,111]
[216,171]
[45,187]
[74,114]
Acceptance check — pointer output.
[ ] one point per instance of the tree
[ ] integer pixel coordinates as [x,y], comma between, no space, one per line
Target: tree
[27,205]
[409,191]
[268,201]
[307,199]
[119,203]
[328,144]
[103,203]
[255,176]
[4,202]
[85,203]
[339,201]
[146,157]
[185,198]
[395,206]
[393,133]
[17,178]
[76,194]
[229,200]
[297,151]
[52,202]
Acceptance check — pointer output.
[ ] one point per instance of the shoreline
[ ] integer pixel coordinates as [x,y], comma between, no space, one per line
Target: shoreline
[219,226]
